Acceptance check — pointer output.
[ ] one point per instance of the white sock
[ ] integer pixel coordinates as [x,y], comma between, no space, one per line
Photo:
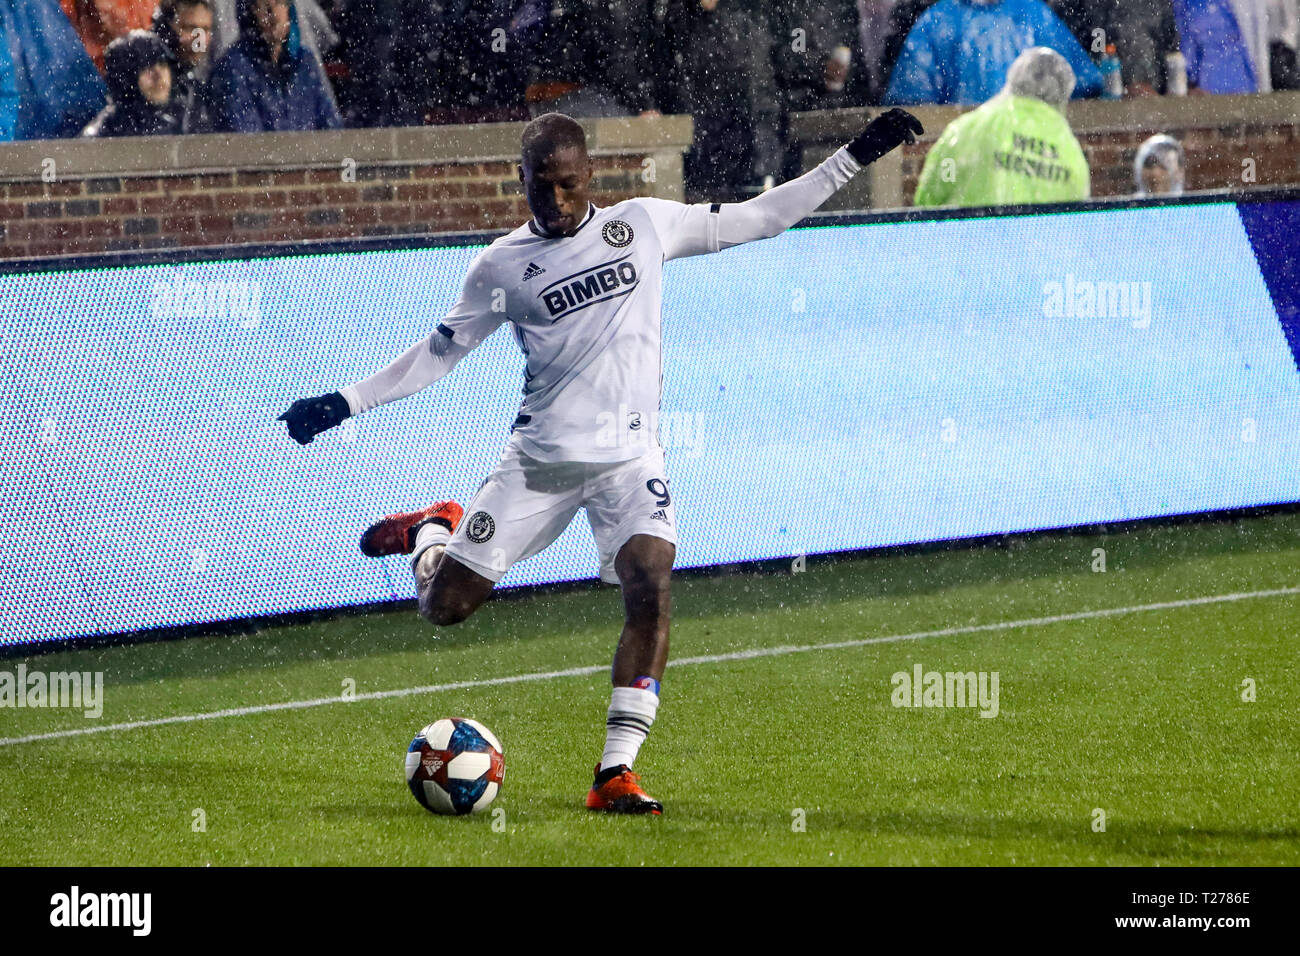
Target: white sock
[431,533]
[631,712]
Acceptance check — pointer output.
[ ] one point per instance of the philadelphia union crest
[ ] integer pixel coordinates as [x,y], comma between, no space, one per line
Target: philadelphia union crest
[617,233]
[480,527]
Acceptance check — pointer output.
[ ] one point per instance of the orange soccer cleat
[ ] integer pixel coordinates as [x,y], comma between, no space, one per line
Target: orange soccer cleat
[621,793]
[396,533]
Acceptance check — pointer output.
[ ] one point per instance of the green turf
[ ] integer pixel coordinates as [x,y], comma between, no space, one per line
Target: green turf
[1139,715]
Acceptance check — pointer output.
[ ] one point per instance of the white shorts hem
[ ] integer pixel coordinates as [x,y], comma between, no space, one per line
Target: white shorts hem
[491,574]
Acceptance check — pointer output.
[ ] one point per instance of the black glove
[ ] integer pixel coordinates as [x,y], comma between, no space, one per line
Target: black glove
[308,417]
[884,133]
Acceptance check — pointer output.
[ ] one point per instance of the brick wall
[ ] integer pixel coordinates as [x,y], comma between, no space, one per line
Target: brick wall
[180,210]
[283,187]
[77,197]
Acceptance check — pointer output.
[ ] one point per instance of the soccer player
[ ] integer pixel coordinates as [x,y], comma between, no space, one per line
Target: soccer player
[580,286]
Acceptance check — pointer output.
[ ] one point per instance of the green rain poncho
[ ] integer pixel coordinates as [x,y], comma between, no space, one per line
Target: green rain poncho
[1013,149]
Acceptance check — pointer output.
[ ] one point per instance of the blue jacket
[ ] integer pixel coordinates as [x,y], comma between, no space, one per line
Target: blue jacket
[49,87]
[1217,60]
[960,51]
[251,94]
[8,87]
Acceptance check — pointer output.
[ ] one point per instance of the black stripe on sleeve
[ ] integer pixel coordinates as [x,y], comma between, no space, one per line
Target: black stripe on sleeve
[446,331]
[716,207]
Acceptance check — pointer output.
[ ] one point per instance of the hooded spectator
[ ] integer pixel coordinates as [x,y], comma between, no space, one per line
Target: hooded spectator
[139,87]
[960,50]
[100,22]
[1160,168]
[1283,44]
[1015,149]
[185,27]
[1218,60]
[269,81]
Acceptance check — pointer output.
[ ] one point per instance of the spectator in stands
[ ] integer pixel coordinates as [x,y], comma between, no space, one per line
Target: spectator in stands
[139,78]
[587,57]
[1217,58]
[1016,148]
[392,52]
[318,33]
[1284,42]
[1144,33]
[814,48]
[873,29]
[817,66]
[185,27]
[902,16]
[479,74]
[269,81]
[49,87]
[9,98]
[1160,167]
[1269,33]
[411,62]
[873,23]
[99,22]
[722,51]
[1256,32]
[960,50]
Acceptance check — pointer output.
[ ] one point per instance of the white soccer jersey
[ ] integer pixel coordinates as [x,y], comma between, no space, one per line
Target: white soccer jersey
[586,312]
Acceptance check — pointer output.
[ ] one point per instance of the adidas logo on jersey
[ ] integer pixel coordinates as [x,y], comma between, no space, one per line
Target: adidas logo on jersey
[660,515]
[532,272]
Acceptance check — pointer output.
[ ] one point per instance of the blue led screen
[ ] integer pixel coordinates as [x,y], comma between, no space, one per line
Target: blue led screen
[834,388]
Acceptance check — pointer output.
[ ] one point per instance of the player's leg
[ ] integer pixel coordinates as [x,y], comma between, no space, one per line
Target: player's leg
[632,518]
[449,592]
[644,566]
[520,508]
[518,511]
[447,595]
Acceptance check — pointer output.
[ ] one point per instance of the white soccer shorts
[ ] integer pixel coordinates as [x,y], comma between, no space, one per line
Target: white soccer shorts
[525,504]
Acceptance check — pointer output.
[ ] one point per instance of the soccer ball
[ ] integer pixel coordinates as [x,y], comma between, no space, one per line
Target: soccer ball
[455,766]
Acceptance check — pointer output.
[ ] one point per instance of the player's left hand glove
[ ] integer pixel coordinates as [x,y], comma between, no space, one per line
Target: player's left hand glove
[883,133]
[308,417]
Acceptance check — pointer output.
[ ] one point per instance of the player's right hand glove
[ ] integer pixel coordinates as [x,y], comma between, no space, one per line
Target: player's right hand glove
[308,417]
[883,133]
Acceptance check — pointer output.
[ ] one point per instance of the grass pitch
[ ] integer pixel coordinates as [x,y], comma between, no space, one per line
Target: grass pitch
[781,756]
